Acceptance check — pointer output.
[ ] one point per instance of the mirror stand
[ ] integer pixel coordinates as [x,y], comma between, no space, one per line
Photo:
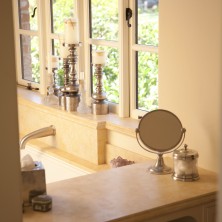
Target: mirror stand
[160,132]
[160,167]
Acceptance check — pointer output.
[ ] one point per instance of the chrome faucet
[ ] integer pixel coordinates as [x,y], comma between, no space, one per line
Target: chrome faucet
[43,132]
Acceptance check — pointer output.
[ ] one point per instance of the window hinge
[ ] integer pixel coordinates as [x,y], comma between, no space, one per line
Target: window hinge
[129,14]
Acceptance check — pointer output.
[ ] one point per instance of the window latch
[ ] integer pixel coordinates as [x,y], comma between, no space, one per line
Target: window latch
[33,13]
[129,14]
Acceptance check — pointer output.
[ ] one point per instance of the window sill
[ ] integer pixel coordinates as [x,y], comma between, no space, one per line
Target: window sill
[110,121]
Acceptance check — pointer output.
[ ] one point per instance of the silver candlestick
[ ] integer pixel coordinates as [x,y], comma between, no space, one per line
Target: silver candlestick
[71,90]
[62,100]
[99,103]
[66,71]
[55,86]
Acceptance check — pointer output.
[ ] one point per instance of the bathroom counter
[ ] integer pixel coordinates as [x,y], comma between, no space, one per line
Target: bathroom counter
[129,193]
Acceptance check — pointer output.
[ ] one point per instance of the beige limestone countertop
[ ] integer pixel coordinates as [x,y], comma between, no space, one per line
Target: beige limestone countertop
[127,193]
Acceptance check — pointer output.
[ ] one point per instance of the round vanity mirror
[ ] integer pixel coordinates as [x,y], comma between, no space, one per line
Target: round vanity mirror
[160,131]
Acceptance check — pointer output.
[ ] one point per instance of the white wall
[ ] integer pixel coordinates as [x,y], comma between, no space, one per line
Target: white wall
[190,72]
[10,204]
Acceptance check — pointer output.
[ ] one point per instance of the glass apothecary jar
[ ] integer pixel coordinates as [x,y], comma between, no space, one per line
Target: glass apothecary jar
[185,164]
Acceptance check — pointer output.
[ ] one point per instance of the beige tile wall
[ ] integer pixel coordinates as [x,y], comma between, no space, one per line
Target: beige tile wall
[96,139]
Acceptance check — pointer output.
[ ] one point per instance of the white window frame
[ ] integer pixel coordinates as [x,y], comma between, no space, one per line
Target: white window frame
[127,66]
[121,44]
[126,46]
[134,112]
[40,34]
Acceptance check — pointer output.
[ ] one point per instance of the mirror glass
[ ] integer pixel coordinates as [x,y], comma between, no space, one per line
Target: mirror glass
[160,130]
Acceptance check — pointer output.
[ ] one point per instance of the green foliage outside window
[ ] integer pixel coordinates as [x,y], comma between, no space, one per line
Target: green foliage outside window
[147,97]
[35,60]
[147,91]
[104,18]
[61,10]
[105,26]
[104,23]
[147,79]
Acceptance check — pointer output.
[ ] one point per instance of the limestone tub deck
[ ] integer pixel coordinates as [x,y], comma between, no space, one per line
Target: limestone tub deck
[130,193]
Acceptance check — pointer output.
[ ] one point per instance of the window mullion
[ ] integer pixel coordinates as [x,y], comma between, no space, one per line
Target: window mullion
[124,60]
[28,32]
[133,64]
[42,42]
[145,48]
[81,19]
[103,42]
[86,35]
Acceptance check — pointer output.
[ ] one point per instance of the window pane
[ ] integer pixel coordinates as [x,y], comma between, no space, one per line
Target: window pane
[147,81]
[147,22]
[30,58]
[104,19]
[110,73]
[61,10]
[28,14]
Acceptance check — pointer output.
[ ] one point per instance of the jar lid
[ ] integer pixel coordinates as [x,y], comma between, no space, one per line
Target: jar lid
[42,199]
[185,153]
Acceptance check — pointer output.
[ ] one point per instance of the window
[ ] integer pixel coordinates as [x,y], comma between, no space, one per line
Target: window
[130,77]
[28,34]
[104,36]
[59,10]
[144,51]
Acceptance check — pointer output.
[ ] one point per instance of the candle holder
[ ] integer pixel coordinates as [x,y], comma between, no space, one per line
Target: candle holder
[62,95]
[71,89]
[66,71]
[51,98]
[99,103]
[56,88]
[83,108]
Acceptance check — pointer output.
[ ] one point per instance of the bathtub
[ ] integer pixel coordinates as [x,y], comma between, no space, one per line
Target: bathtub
[55,168]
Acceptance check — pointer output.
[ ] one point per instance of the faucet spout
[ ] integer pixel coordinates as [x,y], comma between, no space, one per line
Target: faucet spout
[43,132]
